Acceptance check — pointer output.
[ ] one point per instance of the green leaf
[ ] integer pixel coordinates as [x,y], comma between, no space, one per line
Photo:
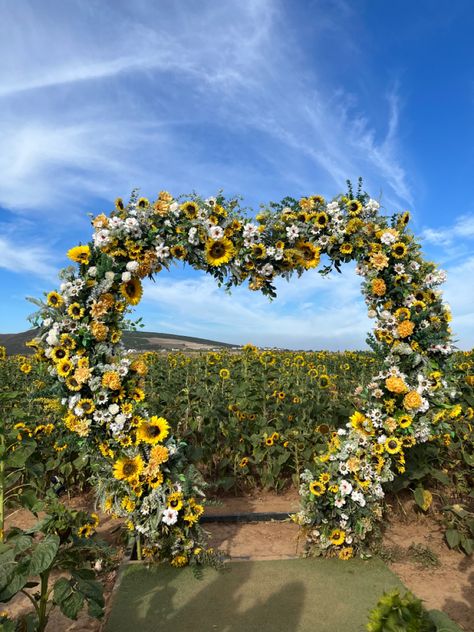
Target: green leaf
[19,457]
[72,605]
[423,498]
[17,582]
[62,589]
[95,610]
[91,590]
[453,538]
[442,622]
[468,545]
[44,554]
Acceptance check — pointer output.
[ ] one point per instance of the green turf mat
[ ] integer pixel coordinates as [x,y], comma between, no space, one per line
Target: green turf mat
[303,595]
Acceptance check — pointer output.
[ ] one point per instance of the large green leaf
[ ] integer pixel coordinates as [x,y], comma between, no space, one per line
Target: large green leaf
[453,537]
[62,589]
[44,554]
[72,605]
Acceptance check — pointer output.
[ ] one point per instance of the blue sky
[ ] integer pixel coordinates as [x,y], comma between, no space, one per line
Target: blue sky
[261,98]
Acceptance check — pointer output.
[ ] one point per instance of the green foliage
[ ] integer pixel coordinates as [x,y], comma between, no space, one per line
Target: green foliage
[28,557]
[397,613]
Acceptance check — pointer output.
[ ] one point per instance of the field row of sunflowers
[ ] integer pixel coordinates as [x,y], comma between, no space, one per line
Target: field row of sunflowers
[249,419]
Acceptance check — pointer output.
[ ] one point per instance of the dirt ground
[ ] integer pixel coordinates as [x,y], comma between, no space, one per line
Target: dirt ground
[444,579]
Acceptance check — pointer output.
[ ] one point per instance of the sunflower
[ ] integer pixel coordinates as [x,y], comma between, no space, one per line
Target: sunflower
[143,202]
[244,462]
[75,311]
[321,220]
[399,250]
[346,553]
[324,381]
[354,207]
[393,445]
[190,209]
[59,353]
[132,291]
[128,469]
[317,488]
[119,205]
[219,251]
[346,248]
[64,367]
[269,441]
[73,384]
[337,537]
[85,531]
[224,374]
[404,421]
[54,299]
[25,368]
[86,405]
[154,431]
[325,478]
[175,501]
[156,480]
[80,254]
[310,254]
[178,251]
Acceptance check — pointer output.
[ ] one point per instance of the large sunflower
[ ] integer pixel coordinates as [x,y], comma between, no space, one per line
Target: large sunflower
[219,251]
[80,254]
[128,469]
[132,291]
[54,299]
[153,431]
[310,254]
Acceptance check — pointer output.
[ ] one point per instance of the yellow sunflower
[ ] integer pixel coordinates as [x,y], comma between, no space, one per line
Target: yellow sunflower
[54,299]
[64,367]
[75,311]
[175,501]
[80,254]
[354,207]
[310,254]
[393,445]
[399,250]
[337,537]
[132,291]
[405,421]
[128,469]
[219,251]
[346,248]
[59,353]
[153,431]
[224,374]
[317,488]
[190,209]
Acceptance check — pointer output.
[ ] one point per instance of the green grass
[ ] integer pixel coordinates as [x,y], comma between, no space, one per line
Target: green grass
[304,595]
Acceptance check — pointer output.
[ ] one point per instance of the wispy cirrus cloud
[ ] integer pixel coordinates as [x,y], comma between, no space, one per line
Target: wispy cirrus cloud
[30,259]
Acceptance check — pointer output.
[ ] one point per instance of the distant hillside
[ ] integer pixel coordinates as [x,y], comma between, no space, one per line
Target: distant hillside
[140,340]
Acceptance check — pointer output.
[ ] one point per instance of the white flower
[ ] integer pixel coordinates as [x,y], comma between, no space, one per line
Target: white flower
[170,516]
[110,276]
[162,251]
[216,232]
[345,487]
[388,238]
[126,276]
[250,231]
[132,266]
[174,208]
[102,237]
[114,409]
[92,271]
[267,270]
[292,232]
[340,502]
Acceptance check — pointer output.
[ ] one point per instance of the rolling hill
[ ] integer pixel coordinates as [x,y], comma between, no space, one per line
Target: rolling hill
[140,340]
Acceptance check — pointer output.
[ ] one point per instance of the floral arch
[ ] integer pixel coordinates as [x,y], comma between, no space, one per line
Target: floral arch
[141,472]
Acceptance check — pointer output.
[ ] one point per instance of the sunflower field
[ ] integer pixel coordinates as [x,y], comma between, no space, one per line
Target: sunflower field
[248,419]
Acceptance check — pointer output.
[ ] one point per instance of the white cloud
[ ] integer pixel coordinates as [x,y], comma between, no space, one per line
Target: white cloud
[118,98]
[462,229]
[27,259]
[310,312]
